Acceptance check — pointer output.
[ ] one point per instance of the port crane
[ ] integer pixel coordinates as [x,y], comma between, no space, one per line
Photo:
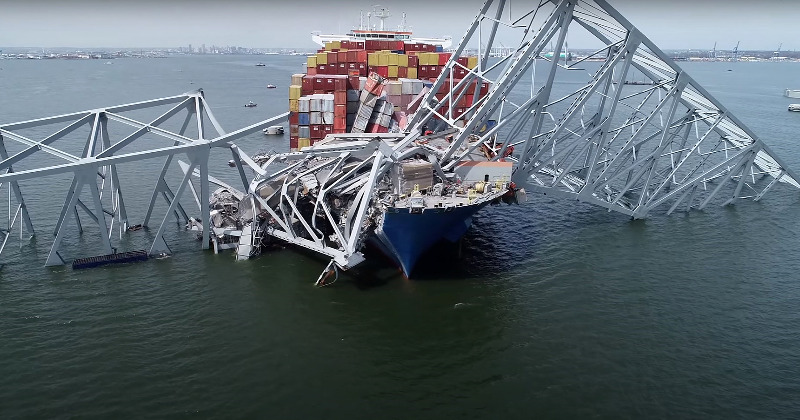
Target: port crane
[669,146]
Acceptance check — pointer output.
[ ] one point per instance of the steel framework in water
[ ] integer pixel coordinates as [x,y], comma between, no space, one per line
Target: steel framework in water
[635,134]
[95,178]
[627,143]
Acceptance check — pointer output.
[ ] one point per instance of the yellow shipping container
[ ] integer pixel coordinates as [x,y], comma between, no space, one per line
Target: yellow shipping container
[297,79]
[303,142]
[412,72]
[393,72]
[295,91]
[312,61]
[383,59]
[372,59]
[333,45]
[402,60]
[393,60]
[322,58]
[431,59]
[472,62]
[294,105]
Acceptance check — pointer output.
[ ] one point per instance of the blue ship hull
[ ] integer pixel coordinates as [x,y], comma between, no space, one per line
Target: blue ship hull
[405,236]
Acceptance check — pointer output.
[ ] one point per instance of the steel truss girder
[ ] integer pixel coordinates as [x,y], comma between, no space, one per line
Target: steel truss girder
[617,144]
[94,171]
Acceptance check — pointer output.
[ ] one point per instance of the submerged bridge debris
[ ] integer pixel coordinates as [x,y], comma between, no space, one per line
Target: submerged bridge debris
[588,130]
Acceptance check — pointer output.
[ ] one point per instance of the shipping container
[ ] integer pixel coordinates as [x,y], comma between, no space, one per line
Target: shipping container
[303,142]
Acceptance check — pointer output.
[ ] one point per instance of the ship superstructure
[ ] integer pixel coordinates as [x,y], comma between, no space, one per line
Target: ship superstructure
[380,32]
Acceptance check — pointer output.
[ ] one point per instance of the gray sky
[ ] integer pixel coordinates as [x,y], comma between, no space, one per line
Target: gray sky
[671,24]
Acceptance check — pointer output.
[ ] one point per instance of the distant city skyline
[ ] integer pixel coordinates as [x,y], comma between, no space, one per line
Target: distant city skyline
[675,24]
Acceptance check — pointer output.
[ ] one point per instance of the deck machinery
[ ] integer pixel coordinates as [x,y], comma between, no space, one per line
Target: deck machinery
[567,128]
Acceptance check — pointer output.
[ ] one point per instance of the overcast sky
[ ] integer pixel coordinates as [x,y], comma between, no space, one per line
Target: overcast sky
[671,24]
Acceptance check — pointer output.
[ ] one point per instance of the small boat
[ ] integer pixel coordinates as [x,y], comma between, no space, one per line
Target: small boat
[792,93]
[273,130]
[260,65]
[271,86]
[251,104]
[794,107]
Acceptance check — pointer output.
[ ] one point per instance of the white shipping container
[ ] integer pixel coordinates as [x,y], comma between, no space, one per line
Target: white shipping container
[316,103]
[407,86]
[304,132]
[304,104]
[394,87]
[327,117]
[384,120]
[364,111]
[417,87]
[327,102]
[315,118]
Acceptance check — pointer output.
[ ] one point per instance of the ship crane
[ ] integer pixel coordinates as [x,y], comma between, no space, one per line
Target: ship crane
[636,150]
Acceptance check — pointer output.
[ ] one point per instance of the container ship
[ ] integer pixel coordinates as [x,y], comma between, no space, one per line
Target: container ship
[352,104]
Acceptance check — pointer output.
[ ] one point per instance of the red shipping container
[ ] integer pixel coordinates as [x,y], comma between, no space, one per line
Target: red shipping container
[311,71]
[319,91]
[371,44]
[402,72]
[399,46]
[460,73]
[353,82]
[322,69]
[463,61]
[352,56]
[339,130]
[422,72]
[469,99]
[341,57]
[340,123]
[413,61]
[484,88]
[317,131]
[327,129]
[443,58]
[319,82]
[330,85]
[340,98]
[374,83]
[308,85]
[433,71]
[333,58]
[340,83]
[294,118]
[293,142]
[362,56]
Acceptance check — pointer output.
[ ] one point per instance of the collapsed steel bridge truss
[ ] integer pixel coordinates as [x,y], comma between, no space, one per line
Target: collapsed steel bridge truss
[636,134]
[97,188]
[624,128]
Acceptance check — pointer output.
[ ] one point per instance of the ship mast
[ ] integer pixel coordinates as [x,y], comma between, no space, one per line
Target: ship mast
[381,13]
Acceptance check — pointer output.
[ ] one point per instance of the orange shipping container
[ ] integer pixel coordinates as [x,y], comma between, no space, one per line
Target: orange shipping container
[340,97]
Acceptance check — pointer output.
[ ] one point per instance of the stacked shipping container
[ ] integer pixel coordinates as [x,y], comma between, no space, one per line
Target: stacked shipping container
[368,86]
